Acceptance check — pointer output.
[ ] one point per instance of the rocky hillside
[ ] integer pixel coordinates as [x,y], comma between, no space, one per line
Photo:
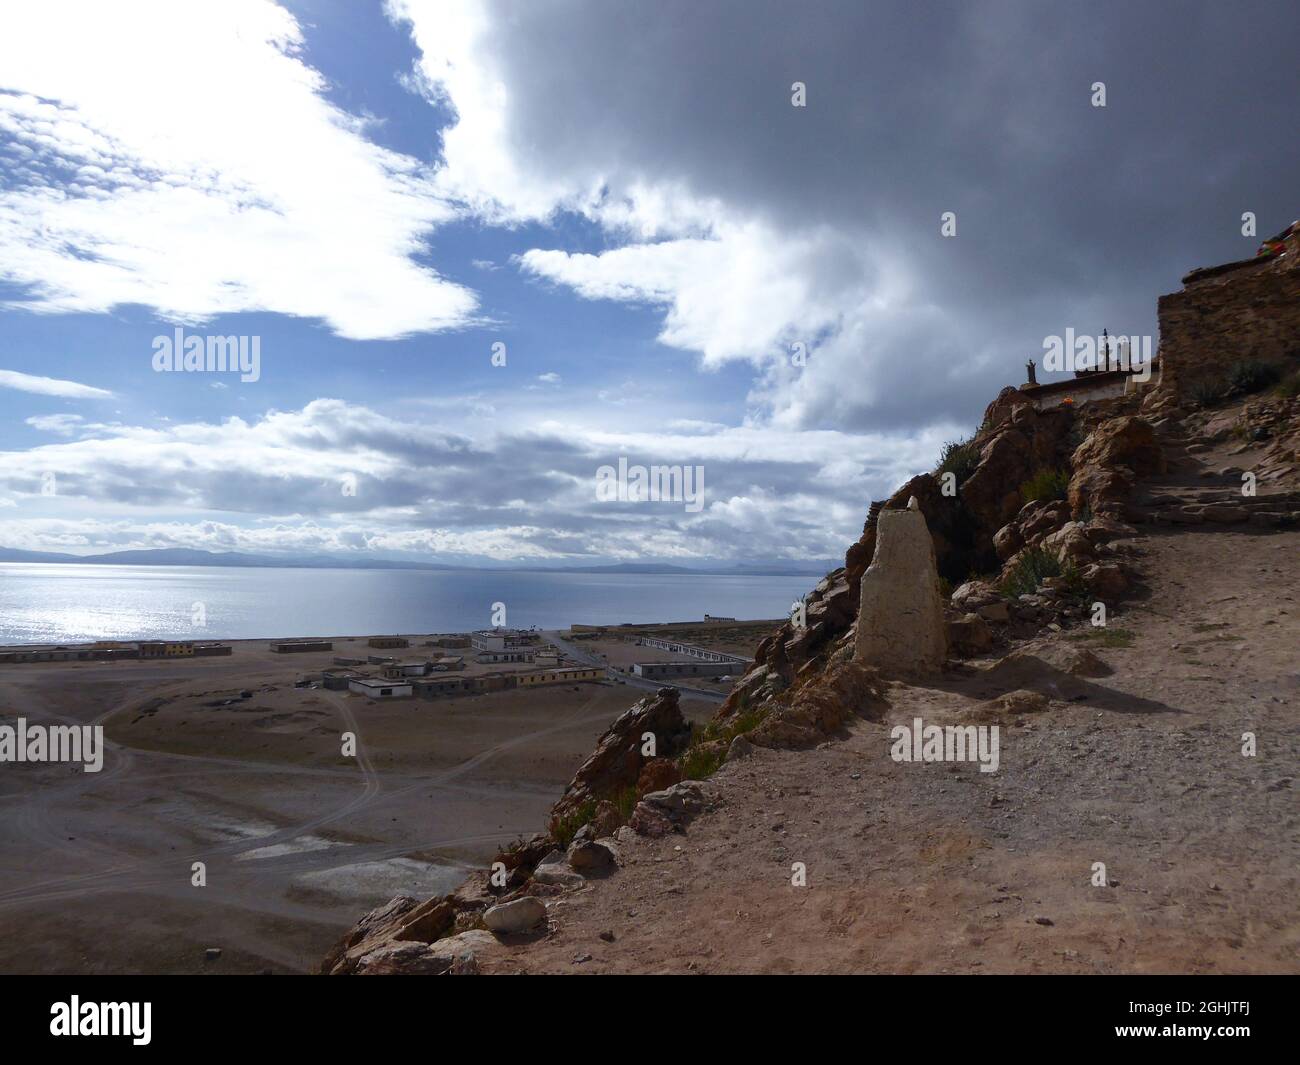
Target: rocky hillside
[1037,520]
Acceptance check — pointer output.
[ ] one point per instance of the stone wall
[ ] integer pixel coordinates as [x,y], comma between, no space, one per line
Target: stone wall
[1249,310]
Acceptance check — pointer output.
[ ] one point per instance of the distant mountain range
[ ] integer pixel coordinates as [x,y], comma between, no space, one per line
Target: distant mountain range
[183,556]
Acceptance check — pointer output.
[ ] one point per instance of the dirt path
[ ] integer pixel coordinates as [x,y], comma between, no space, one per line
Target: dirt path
[940,868]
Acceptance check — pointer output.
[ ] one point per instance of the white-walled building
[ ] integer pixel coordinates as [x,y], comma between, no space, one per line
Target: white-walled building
[374,688]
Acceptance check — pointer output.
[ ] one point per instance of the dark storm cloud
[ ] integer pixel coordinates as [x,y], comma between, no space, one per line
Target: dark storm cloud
[1069,215]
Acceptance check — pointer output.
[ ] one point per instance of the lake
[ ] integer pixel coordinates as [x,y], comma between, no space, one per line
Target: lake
[54,603]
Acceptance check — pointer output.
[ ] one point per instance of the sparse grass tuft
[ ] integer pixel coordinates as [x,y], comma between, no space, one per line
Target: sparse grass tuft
[708,749]
[625,802]
[565,828]
[1107,637]
[1251,375]
[1045,485]
[700,761]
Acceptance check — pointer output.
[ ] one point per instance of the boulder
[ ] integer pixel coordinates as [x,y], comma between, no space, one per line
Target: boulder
[1103,527]
[648,820]
[1127,441]
[591,857]
[1105,579]
[617,762]
[969,635]
[428,921]
[974,594]
[1070,543]
[519,915]
[557,874]
[684,798]
[999,613]
[900,615]
[821,704]
[740,748]
[1099,490]
[1080,662]
[1008,540]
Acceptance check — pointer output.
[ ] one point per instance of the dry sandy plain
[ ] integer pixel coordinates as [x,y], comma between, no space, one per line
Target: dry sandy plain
[298,841]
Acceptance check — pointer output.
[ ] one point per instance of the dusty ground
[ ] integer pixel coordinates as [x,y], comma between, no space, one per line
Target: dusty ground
[95,869]
[939,868]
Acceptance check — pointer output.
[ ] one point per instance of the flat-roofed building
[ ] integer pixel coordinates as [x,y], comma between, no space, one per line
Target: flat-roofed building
[388,641]
[375,688]
[289,647]
[503,639]
[407,669]
[452,640]
[166,648]
[651,670]
[515,654]
[569,675]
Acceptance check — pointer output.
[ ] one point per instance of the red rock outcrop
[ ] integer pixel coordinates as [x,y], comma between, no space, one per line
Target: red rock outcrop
[618,761]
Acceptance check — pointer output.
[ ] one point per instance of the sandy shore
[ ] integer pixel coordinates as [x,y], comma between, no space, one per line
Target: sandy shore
[296,839]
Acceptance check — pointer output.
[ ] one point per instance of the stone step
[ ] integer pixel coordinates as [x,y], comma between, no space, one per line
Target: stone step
[1233,499]
[1220,515]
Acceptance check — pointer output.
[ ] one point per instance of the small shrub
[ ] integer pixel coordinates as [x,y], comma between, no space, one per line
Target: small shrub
[702,758]
[960,458]
[945,588]
[625,802]
[1290,386]
[1251,375]
[701,762]
[1034,564]
[1045,486]
[1208,391]
[565,828]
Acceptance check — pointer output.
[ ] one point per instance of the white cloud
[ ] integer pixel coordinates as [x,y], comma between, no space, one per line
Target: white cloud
[275,484]
[50,386]
[183,156]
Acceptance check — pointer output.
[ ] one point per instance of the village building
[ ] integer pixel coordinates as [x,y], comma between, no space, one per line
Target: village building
[655,670]
[166,648]
[407,669]
[388,641]
[338,680]
[287,647]
[1109,373]
[453,641]
[516,654]
[503,640]
[690,650]
[569,675]
[373,688]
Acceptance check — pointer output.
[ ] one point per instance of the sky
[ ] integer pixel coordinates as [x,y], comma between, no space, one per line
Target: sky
[485,249]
